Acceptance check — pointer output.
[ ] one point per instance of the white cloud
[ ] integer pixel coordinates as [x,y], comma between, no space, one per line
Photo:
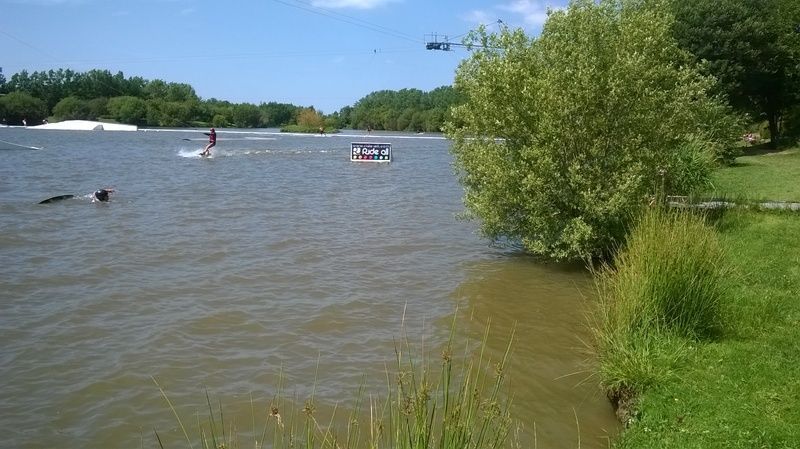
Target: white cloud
[479,16]
[532,13]
[357,4]
[187,11]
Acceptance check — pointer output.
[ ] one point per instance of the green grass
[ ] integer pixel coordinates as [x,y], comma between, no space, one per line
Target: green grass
[741,389]
[770,176]
[664,292]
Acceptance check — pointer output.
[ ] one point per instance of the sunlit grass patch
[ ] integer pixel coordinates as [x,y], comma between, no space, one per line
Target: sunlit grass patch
[765,177]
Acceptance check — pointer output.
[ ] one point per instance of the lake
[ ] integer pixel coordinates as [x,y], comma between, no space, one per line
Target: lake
[276,255]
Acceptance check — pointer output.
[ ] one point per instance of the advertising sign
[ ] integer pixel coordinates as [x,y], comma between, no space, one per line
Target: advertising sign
[370,152]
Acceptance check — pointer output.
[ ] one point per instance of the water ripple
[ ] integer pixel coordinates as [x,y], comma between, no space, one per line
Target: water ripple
[272,256]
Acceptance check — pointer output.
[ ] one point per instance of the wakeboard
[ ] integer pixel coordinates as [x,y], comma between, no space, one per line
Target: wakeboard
[56,198]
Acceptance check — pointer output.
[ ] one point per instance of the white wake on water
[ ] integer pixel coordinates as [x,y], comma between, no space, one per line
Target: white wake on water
[220,153]
[189,153]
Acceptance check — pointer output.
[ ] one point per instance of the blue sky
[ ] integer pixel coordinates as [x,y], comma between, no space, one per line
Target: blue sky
[325,53]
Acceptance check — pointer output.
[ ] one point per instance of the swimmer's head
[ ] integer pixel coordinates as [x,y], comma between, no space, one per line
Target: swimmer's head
[102,195]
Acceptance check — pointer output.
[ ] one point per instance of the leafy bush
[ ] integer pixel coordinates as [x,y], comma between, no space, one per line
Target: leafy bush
[310,118]
[72,108]
[219,121]
[98,107]
[17,106]
[563,136]
[130,110]
[246,115]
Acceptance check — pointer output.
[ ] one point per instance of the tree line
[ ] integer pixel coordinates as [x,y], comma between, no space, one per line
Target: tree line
[64,94]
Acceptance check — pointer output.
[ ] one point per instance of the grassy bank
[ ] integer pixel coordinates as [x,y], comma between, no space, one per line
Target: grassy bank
[739,386]
[762,175]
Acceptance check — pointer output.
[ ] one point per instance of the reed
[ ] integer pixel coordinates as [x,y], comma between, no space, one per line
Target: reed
[458,404]
[664,290]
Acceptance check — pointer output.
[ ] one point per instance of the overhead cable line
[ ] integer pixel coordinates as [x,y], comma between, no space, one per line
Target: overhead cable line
[245,56]
[432,41]
[305,6]
[27,44]
[497,22]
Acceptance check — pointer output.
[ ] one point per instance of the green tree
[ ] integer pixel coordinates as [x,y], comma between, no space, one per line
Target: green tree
[246,115]
[175,113]
[562,137]
[219,121]
[278,114]
[405,119]
[181,92]
[155,89]
[98,107]
[134,86]
[403,110]
[792,123]
[751,46]
[72,108]
[101,83]
[50,86]
[155,114]
[127,109]
[216,112]
[342,118]
[310,118]
[17,106]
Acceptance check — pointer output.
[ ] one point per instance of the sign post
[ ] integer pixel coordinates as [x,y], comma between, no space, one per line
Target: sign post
[370,152]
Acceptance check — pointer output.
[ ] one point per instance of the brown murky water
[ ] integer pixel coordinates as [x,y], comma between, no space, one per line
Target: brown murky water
[552,377]
[277,255]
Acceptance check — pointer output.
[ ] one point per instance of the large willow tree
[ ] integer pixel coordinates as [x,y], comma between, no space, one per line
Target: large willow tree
[563,136]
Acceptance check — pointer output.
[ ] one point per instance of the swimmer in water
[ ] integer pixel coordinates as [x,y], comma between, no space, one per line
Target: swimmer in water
[98,196]
[102,195]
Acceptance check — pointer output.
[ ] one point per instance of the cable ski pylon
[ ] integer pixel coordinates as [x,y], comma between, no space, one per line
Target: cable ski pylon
[432,41]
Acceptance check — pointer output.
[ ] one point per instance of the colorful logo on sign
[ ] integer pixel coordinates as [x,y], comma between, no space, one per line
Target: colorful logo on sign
[370,152]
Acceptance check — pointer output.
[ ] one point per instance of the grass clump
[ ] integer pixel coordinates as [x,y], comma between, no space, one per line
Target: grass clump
[461,407]
[664,291]
[457,405]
